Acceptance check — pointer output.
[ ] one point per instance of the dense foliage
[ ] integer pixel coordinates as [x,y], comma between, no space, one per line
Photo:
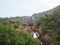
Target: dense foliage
[50,25]
[8,35]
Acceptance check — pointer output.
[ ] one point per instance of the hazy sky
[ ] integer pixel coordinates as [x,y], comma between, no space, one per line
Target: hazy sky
[9,8]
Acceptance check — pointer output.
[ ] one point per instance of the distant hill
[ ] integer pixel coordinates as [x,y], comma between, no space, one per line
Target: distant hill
[36,15]
[17,18]
[28,20]
[24,19]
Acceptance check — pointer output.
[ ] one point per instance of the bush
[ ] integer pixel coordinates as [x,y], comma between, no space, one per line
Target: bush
[45,28]
[24,38]
[9,36]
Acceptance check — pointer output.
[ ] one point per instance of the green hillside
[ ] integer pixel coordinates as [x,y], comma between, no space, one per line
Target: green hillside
[36,15]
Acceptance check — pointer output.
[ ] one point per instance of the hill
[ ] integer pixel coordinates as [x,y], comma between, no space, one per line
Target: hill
[36,15]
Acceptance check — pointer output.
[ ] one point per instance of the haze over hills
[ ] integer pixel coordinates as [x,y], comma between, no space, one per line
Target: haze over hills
[36,15]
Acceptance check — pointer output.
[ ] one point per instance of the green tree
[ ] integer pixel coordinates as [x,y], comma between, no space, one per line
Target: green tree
[9,36]
[24,38]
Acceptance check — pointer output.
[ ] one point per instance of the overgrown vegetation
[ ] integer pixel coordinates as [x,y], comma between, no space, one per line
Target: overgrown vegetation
[47,27]
[50,25]
[8,35]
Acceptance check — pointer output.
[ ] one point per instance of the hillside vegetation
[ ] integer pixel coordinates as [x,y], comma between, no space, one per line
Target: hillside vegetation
[50,27]
[19,30]
[9,35]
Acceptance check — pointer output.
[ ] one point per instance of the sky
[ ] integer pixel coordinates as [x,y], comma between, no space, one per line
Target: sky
[12,8]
